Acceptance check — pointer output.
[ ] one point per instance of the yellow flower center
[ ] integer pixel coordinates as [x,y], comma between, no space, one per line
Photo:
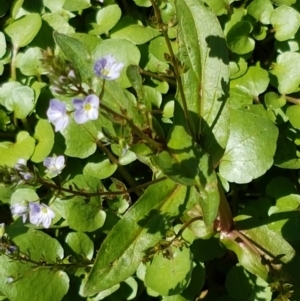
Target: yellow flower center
[87,107]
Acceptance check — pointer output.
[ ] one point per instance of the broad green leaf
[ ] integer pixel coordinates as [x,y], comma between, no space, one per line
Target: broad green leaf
[99,167]
[58,22]
[238,38]
[249,259]
[170,276]
[24,194]
[272,243]
[187,164]
[238,283]
[238,67]
[274,101]
[54,5]
[250,149]
[45,140]
[30,62]
[77,53]
[245,286]
[4,120]
[23,148]
[107,17]
[124,52]
[17,98]
[254,82]
[80,244]
[219,7]
[23,30]
[140,229]
[82,213]
[2,44]
[285,30]
[143,3]
[202,49]
[127,291]
[85,143]
[89,41]
[75,5]
[293,115]
[261,10]
[286,72]
[133,31]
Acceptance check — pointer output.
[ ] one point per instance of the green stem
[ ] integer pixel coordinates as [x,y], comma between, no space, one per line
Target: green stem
[164,29]
[102,90]
[225,215]
[13,73]
[157,76]
[102,193]
[293,100]
[26,125]
[152,142]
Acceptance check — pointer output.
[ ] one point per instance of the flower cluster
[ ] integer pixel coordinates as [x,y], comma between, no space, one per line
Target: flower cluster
[84,109]
[38,213]
[18,174]
[54,165]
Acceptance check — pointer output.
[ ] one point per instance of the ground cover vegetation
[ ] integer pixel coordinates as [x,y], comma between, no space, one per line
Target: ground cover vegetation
[149,150]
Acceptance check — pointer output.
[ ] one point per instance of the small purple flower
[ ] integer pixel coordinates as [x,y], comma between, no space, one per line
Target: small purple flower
[58,115]
[86,109]
[40,214]
[20,209]
[23,171]
[108,68]
[54,165]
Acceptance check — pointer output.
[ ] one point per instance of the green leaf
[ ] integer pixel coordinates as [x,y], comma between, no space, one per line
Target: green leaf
[186,163]
[293,115]
[77,53]
[238,38]
[80,244]
[51,284]
[254,82]
[99,167]
[203,50]
[82,213]
[75,5]
[250,149]
[238,283]
[54,5]
[85,143]
[107,17]
[143,225]
[274,101]
[170,276]
[261,10]
[24,194]
[58,23]
[286,72]
[30,62]
[2,44]
[143,3]
[23,148]
[219,7]
[44,136]
[124,52]
[285,30]
[17,98]
[133,31]
[23,30]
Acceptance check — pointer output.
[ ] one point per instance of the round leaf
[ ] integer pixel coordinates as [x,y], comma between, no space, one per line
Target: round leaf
[80,244]
[23,148]
[45,141]
[99,167]
[250,149]
[85,143]
[285,30]
[2,44]
[76,5]
[124,52]
[261,10]
[287,73]
[23,30]
[107,17]
[24,194]
[238,38]
[170,276]
[293,113]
